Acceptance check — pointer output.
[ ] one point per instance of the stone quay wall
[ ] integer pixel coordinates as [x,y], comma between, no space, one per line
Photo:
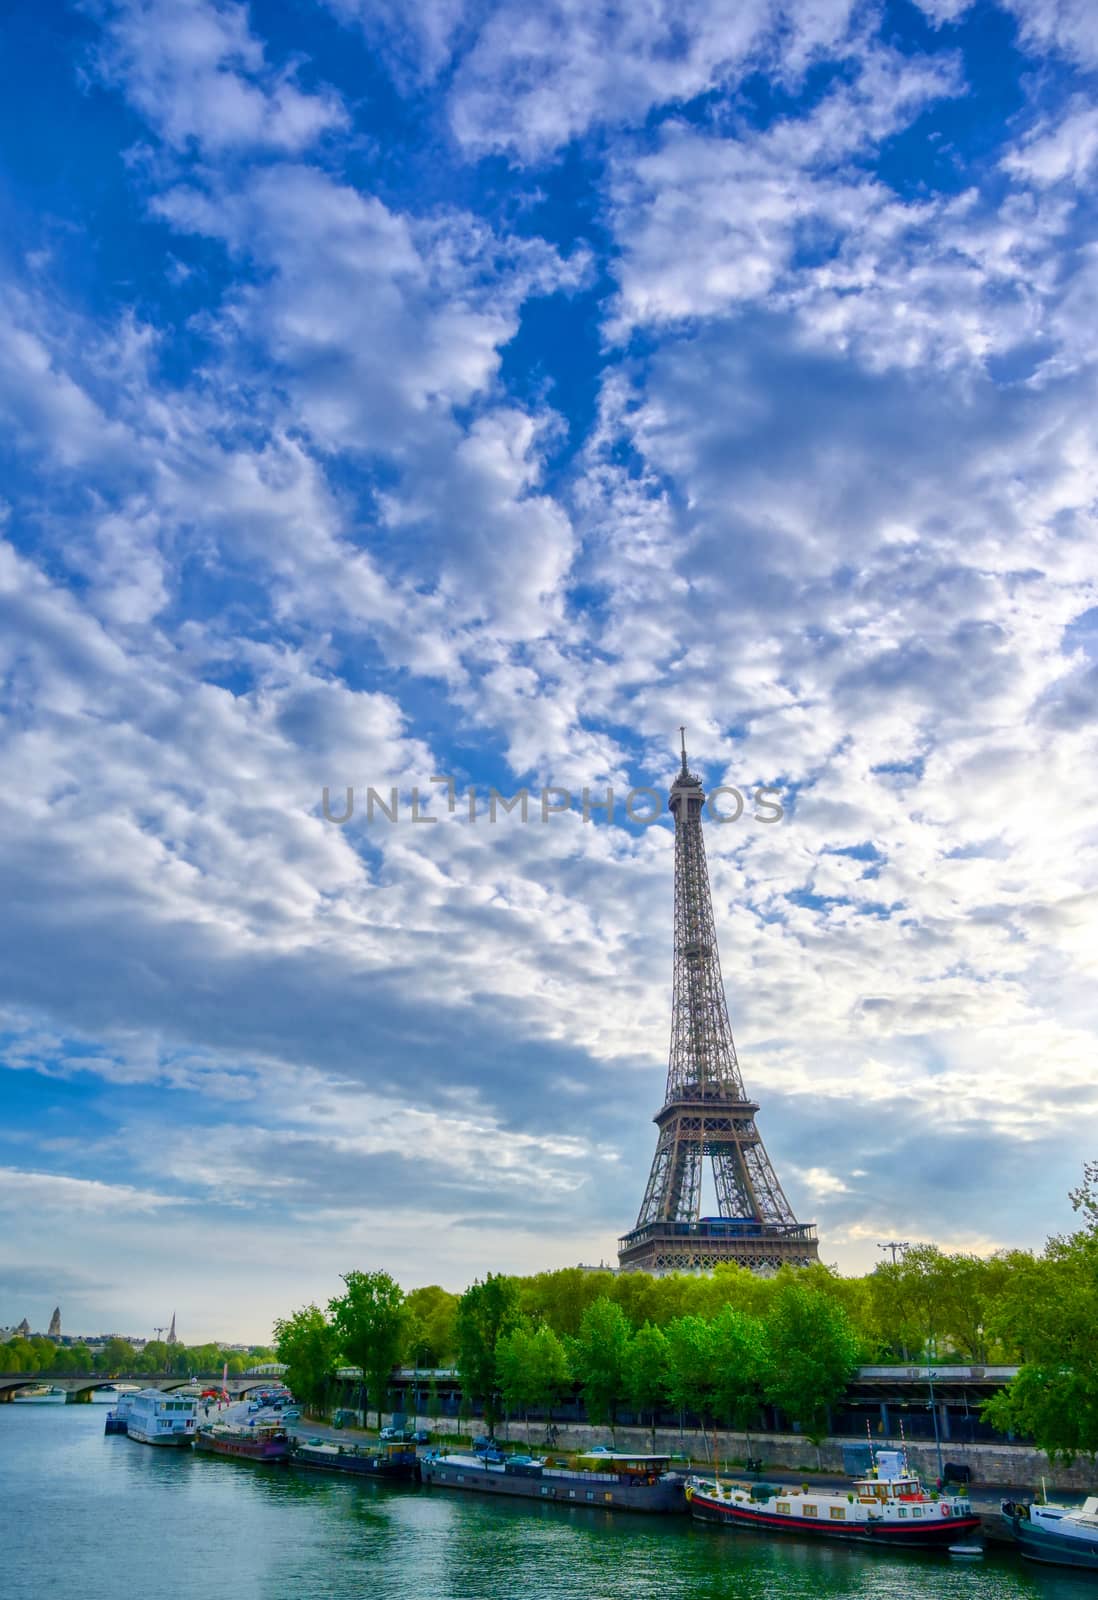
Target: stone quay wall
[1013,1466]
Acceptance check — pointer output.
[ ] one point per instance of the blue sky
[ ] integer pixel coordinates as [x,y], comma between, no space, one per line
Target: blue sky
[469,389]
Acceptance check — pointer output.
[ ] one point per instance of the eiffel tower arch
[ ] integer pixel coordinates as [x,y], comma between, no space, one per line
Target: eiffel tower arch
[706,1113]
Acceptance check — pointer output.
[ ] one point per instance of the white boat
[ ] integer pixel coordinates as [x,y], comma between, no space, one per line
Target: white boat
[889,1507]
[43,1394]
[1059,1536]
[155,1418]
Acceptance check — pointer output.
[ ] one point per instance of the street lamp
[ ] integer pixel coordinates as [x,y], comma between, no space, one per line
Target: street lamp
[931,1354]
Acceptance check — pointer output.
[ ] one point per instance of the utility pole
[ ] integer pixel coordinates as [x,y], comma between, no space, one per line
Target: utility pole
[931,1354]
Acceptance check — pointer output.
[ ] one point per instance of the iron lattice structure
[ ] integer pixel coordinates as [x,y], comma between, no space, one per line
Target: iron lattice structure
[706,1112]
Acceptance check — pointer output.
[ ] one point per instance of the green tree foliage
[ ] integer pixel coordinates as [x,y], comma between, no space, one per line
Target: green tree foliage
[647,1371]
[309,1345]
[532,1369]
[12,1357]
[73,1360]
[117,1356]
[927,1299]
[154,1357]
[690,1366]
[739,1353]
[814,1352]
[1049,1310]
[370,1320]
[432,1313]
[486,1311]
[599,1355]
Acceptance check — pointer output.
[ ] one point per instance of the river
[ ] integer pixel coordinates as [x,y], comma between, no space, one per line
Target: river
[103,1518]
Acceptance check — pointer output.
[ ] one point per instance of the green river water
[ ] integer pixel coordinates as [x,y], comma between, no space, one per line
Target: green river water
[87,1517]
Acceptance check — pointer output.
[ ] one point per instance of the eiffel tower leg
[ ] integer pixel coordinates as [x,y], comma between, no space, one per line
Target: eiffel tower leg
[734,1193]
[674,1183]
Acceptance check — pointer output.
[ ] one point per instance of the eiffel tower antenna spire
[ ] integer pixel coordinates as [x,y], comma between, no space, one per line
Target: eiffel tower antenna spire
[706,1111]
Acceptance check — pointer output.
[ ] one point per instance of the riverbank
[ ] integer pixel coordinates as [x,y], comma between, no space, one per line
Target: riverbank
[1018,1469]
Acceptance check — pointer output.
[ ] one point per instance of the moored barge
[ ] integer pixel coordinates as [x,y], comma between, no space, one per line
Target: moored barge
[257,1442]
[391,1461]
[155,1418]
[610,1480]
[891,1507]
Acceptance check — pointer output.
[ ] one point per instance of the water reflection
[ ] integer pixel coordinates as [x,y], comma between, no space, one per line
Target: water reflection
[96,1517]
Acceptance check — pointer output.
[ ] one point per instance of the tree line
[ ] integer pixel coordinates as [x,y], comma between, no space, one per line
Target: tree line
[118,1357]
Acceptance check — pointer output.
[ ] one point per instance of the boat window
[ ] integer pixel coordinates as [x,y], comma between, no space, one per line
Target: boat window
[810,1511]
[838,1513]
[916,1511]
[783,1505]
[903,1511]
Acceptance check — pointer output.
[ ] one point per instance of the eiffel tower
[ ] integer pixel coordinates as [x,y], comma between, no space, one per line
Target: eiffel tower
[706,1111]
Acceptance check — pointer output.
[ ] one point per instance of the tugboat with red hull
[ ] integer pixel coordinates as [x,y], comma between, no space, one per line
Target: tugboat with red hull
[890,1507]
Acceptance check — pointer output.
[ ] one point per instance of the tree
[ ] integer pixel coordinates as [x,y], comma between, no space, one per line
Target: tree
[309,1346]
[485,1312]
[647,1371]
[72,1360]
[599,1357]
[117,1356]
[11,1357]
[369,1318]
[532,1369]
[814,1354]
[431,1315]
[1050,1311]
[690,1366]
[740,1357]
[154,1357]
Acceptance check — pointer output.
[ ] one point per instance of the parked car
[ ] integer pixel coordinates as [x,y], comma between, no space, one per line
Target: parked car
[419,1436]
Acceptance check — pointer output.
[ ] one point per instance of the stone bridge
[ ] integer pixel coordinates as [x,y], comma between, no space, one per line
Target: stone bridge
[80,1388]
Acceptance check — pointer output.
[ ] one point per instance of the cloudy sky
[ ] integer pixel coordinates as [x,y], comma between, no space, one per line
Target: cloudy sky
[481,390]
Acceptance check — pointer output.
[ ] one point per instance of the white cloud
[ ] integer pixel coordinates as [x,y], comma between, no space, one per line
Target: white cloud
[1054,151]
[1067,26]
[49,1191]
[197,73]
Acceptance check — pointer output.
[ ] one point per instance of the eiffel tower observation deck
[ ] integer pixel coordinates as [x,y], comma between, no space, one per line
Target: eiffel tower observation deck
[706,1112]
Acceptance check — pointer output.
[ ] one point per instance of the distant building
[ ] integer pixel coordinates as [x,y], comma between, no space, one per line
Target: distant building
[24,1330]
[54,1329]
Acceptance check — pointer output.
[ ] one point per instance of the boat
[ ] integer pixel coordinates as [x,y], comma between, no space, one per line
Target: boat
[156,1418]
[611,1480]
[42,1394]
[392,1461]
[891,1506]
[1059,1536]
[119,1414]
[253,1441]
